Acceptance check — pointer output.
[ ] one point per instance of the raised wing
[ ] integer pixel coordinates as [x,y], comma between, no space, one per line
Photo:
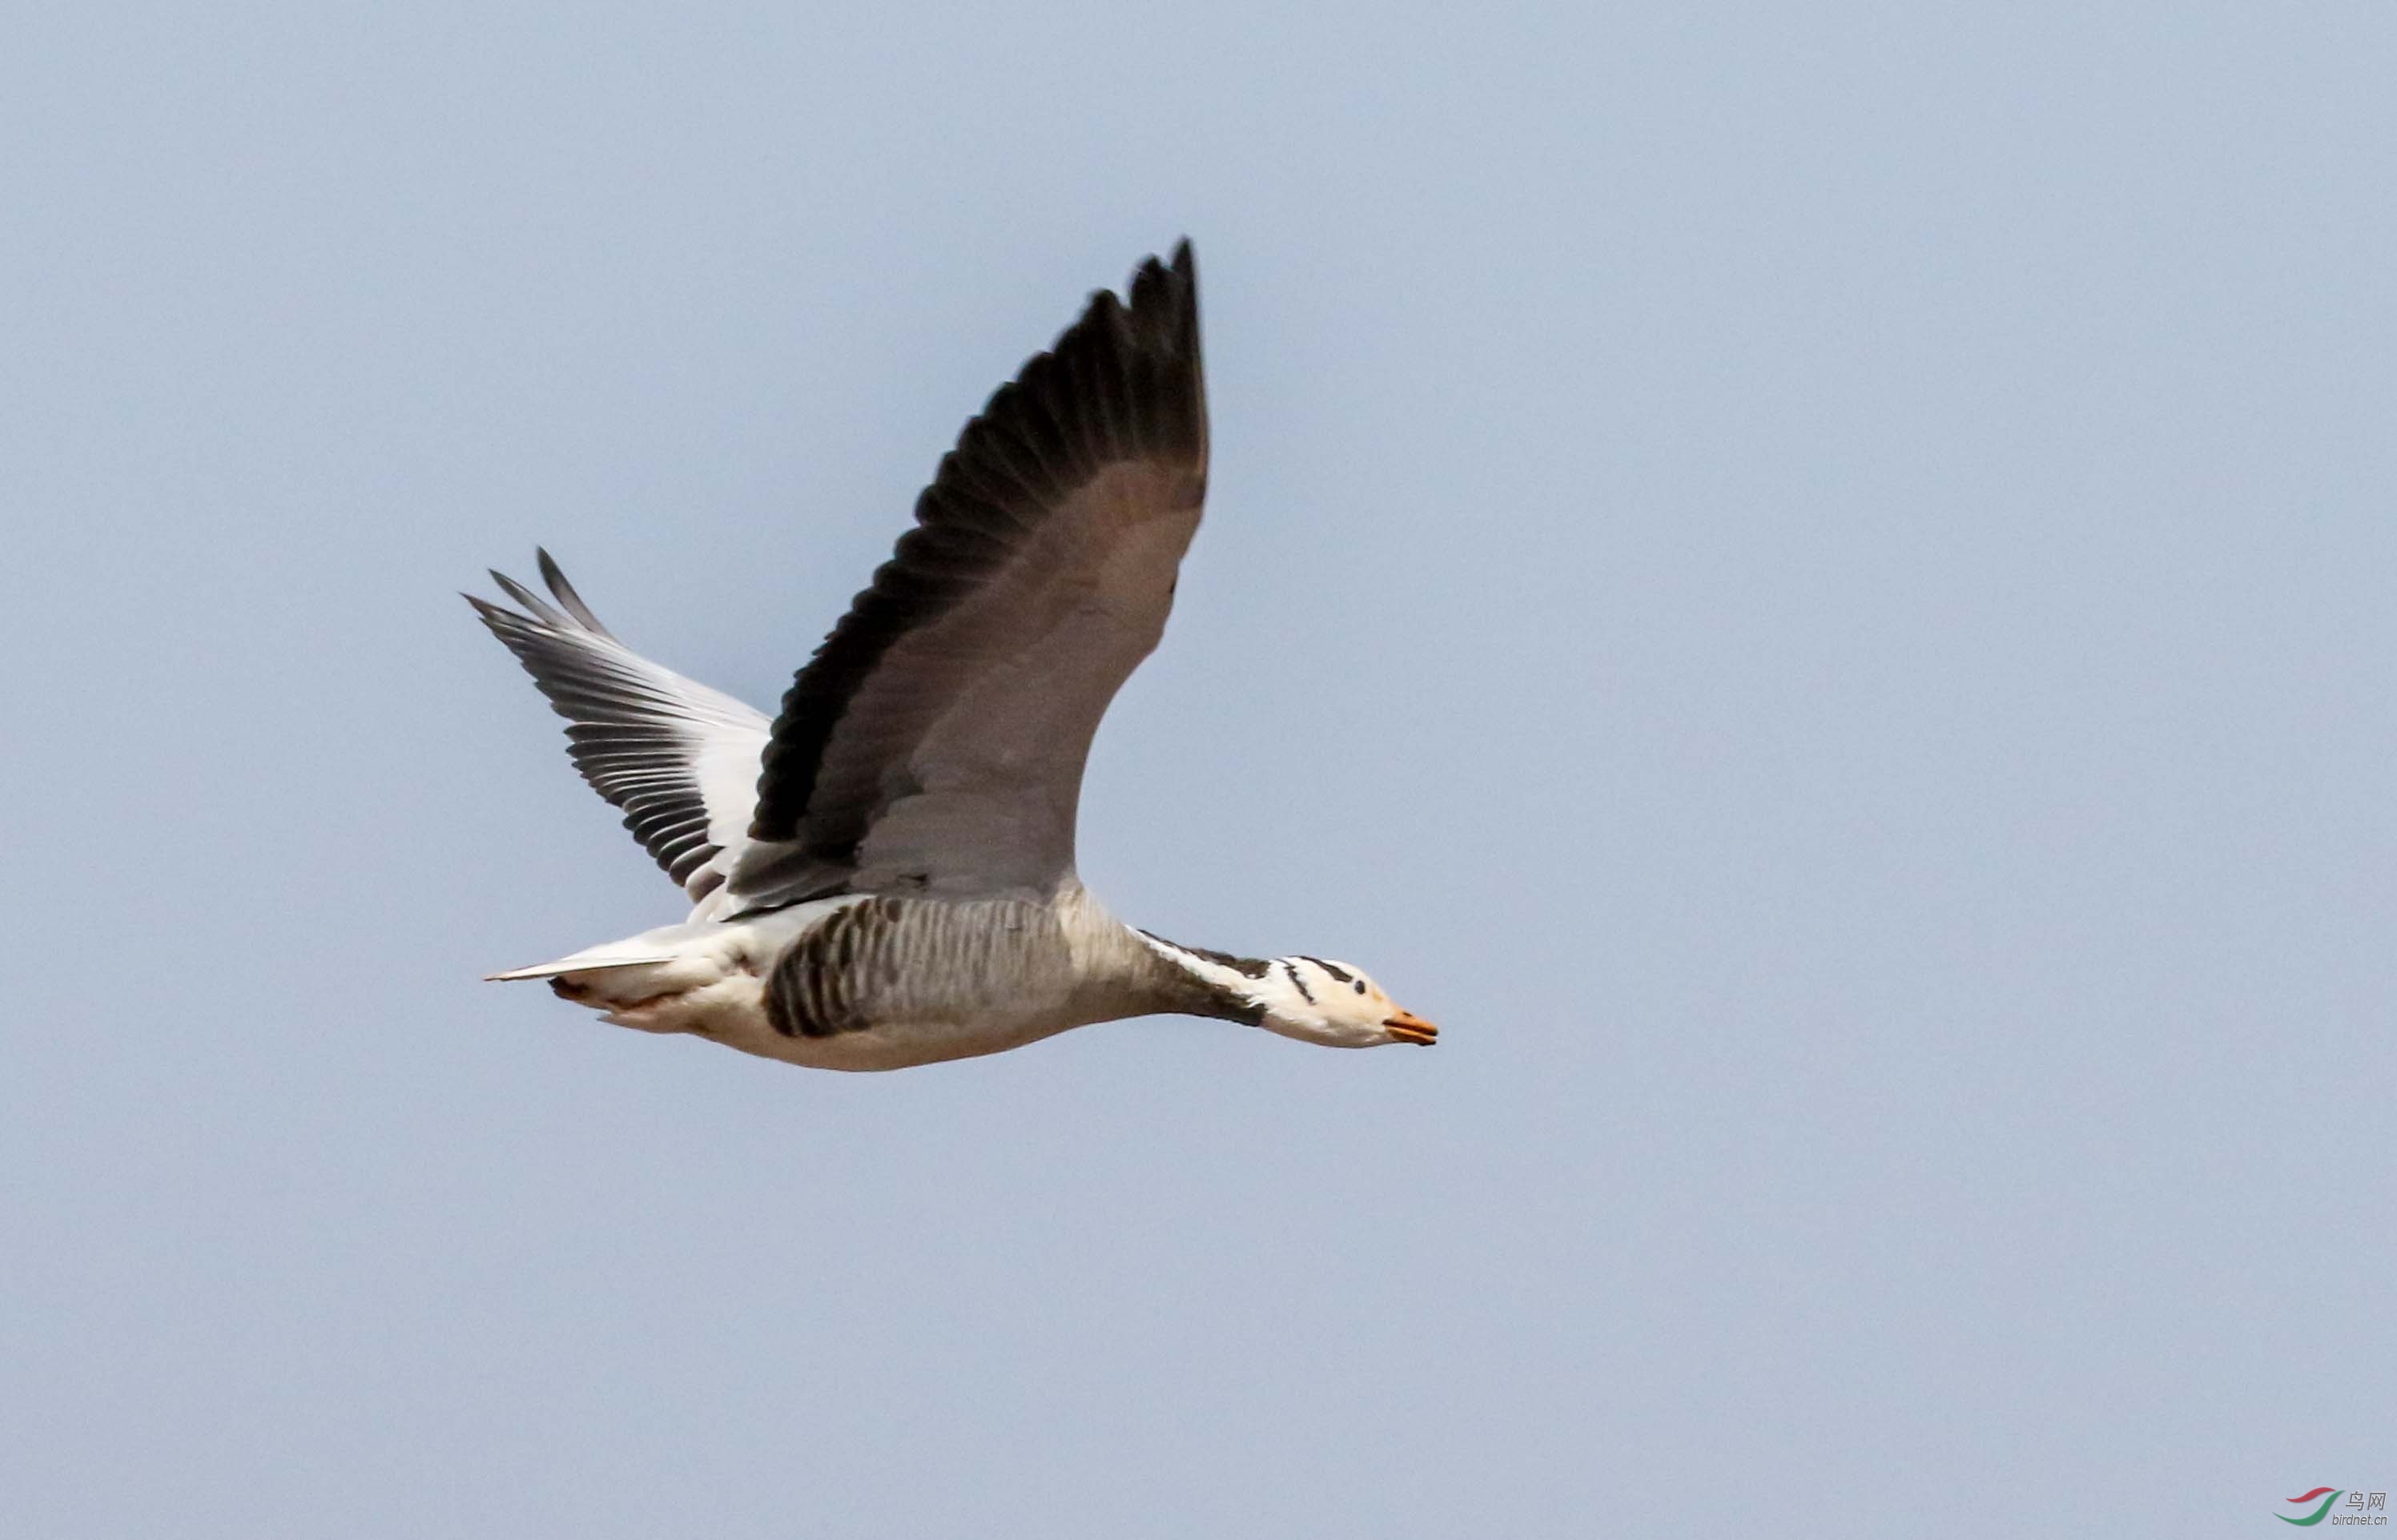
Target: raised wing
[936,740]
[680,758]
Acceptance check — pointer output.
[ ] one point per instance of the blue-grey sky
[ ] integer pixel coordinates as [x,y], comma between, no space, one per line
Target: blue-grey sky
[1814,584]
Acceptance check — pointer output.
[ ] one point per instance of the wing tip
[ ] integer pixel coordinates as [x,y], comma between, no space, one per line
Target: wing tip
[570,613]
[554,577]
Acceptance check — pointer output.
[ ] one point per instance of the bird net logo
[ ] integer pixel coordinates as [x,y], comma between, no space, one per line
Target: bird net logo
[2361,1507]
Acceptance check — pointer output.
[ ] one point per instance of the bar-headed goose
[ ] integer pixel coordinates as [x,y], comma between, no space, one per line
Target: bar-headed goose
[883,875]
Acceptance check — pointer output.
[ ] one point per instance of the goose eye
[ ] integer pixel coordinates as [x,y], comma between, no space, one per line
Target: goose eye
[1361,987]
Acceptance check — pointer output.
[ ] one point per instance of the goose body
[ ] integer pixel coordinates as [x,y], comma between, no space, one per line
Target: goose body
[883,875]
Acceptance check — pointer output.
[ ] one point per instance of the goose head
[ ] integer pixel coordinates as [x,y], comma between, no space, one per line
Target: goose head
[1333,1004]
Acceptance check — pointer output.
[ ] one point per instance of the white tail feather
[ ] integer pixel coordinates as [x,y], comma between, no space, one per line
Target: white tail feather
[571,965]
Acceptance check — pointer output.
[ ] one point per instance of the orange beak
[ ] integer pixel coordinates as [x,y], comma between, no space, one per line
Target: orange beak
[1408,1027]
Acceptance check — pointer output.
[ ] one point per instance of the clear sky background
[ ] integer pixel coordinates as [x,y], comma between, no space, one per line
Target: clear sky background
[1814,584]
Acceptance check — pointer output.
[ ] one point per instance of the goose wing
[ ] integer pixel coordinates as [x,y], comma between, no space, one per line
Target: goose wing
[678,758]
[935,742]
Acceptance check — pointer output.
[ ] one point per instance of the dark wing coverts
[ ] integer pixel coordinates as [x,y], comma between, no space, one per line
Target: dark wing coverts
[935,742]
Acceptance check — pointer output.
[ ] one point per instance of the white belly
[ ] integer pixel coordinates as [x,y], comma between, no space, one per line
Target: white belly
[733,1011]
[892,1046]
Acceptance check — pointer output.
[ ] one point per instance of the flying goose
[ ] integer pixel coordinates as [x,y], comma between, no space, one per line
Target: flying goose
[883,875]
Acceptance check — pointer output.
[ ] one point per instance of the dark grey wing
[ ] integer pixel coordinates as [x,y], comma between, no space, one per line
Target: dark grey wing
[680,758]
[936,740]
